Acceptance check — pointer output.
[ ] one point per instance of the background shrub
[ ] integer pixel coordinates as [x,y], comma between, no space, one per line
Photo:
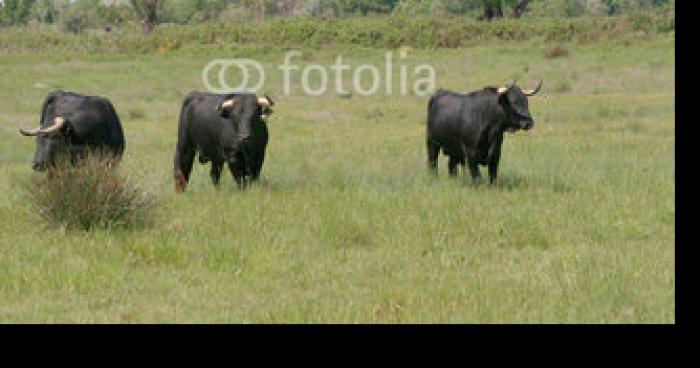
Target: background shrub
[77,17]
[556,52]
[385,31]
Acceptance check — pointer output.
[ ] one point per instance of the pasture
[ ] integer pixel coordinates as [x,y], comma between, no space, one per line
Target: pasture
[346,225]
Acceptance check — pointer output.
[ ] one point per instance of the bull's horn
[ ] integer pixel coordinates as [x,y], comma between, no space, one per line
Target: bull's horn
[226,104]
[58,122]
[531,92]
[504,89]
[30,133]
[265,101]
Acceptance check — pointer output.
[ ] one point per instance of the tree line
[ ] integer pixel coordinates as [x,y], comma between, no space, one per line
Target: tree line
[76,15]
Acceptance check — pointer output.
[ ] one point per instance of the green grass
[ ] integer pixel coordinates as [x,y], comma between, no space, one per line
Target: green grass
[346,225]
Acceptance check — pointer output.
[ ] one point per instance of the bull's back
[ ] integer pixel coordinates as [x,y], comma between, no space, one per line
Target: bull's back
[201,124]
[199,113]
[445,115]
[453,121]
[94,119]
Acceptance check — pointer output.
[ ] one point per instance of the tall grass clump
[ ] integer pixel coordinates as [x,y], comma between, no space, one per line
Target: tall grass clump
[88,194]
[556,52]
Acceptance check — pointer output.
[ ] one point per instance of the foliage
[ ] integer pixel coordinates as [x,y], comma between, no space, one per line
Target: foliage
[559,8]
[15,11]
[384,31]
[87,195]
[43,11]
[78,16]
[113,14]
[147,12]
[199,11]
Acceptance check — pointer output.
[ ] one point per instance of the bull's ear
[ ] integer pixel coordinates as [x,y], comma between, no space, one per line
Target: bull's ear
[225,108]
[266,111]
[265,101]
[67,128]
[503,90]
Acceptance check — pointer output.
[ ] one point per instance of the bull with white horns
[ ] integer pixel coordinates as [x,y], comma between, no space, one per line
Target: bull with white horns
[222,128]
[469,127]
[72,124]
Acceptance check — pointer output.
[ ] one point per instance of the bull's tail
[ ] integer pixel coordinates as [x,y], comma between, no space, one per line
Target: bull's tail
[184,152]
[183,111]
[431,104]
[117,126]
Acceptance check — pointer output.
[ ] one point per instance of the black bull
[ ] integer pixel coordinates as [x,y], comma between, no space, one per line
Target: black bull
[469,127]
[71,123]
[222,128]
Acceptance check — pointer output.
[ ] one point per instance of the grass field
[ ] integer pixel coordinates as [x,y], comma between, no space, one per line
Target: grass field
[346,225]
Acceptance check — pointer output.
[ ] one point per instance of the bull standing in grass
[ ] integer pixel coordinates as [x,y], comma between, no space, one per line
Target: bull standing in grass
[469,127]
[222,128]
[73,124]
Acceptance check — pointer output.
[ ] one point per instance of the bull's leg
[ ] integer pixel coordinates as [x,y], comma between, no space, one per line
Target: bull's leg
[493,169]
[215,172]
[433,152]
[254,172]
[494,158]
[184,157]
[452,165]
[237,169]
[474,171]
[256,166]
[473,163]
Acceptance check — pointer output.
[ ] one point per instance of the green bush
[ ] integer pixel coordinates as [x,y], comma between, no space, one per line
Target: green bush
[43,11]
[373,31]
[75,18]
[113,14]
[89,194]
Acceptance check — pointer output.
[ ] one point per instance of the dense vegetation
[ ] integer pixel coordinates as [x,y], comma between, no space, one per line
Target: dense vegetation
[381,31]
[94,13]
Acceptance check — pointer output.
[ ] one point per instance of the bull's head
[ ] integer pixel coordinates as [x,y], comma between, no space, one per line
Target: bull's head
[52,138]
[514,102]
[243,111]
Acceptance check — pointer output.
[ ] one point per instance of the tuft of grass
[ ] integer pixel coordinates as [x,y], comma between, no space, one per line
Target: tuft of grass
[88,194]
[561,86]
[556,52]
[136,114]
[447,39]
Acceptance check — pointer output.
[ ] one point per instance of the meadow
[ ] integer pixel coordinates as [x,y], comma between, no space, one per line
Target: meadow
[346,225]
